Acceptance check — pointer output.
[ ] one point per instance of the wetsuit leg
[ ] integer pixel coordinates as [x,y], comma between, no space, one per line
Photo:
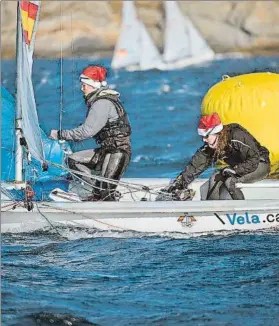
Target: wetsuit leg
[224,193]
[81,161]
[113,167]
[215,182]
[260,173]
[236,193]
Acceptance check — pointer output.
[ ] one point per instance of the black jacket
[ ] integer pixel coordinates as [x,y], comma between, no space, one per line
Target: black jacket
[243,154]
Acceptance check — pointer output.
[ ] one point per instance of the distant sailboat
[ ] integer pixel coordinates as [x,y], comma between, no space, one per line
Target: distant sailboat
[183,43]
[127,50]
[135,49]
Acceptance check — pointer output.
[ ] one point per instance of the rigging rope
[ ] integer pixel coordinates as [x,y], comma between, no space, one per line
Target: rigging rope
[128,185]
[49,222]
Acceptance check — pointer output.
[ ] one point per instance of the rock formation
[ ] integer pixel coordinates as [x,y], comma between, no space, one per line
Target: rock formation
[91,28]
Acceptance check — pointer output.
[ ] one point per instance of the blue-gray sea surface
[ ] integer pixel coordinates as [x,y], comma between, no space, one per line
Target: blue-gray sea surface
[108,278]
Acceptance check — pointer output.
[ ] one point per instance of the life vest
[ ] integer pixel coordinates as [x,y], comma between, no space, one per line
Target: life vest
[115,130]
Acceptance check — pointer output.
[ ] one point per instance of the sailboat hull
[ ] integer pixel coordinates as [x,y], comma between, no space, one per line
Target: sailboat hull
[187,62]
[165,217]
[259,211]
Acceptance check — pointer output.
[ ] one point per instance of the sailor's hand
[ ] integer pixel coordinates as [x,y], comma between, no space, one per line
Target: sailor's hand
[167,194]
[53,134]
[228,172]
[177,184]
[177,190]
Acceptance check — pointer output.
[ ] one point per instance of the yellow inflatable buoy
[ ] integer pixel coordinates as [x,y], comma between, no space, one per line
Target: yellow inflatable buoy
[251,100]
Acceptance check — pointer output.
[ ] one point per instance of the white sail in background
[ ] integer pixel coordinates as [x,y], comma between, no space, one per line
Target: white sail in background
[27,118]
[128,50]
[182,39]
[150,55]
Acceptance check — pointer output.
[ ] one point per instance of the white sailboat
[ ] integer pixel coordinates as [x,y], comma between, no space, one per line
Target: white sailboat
[135,49]
[137,210]
[183,43]
[127,51]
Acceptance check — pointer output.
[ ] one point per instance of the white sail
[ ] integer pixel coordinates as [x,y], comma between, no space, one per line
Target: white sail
[181,38]
[27,118]
[128,50]
[150,55]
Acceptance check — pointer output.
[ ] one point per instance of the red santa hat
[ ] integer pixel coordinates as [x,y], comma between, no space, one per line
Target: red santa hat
[210,124]
[94,76]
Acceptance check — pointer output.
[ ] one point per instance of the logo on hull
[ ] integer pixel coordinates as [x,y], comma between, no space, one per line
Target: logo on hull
[186,221]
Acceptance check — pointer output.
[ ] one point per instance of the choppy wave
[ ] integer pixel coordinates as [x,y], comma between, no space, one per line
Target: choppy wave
[46,319]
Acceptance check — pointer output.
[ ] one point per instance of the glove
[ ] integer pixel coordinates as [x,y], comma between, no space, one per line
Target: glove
[177,190]
[177,184]
[53,134]
[228,172]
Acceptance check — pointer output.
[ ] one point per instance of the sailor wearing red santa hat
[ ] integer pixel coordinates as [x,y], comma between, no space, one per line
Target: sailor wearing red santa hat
[247,161]
[107,122]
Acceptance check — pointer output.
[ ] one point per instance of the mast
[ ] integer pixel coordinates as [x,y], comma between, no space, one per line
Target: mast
[27,127]
[18,118]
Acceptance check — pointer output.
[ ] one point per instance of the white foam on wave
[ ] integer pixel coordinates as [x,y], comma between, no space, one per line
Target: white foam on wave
[76,233]
[140,158]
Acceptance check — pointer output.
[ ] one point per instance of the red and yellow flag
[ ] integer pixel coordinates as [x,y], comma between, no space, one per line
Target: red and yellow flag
[29,10]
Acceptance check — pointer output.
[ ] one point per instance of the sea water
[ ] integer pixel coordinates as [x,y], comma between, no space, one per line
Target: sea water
[88,277]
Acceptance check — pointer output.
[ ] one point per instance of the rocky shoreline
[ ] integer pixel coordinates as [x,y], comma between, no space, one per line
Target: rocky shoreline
[91,28]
